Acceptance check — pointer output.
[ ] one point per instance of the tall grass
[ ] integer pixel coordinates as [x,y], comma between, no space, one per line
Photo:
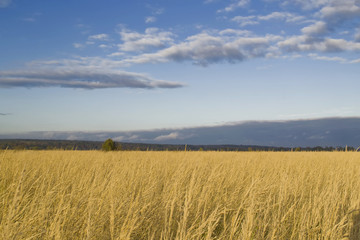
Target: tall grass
[179,195]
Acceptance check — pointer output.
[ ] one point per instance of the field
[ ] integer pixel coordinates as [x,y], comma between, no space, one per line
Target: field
[179,195]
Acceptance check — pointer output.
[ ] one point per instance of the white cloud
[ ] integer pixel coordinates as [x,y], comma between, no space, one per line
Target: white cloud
[119,138]
[206,48]
[340,10]
[105,46]
[244,21]
[235,32]
[29,19]
[307,4]
[238,4]
[5,3]
[116,54]
[137,42]
[150,19]
[99,37]
[91,63]
[317,28]
[325,58]
[357,35]
[170,136]
[355,61]
[306,43]
[78,45]
[80,78]
[288,17]
[128,137]
[253,19]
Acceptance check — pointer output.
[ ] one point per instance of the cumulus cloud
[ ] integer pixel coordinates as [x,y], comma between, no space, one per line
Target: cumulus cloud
[207,48]
[317,28]
[238,4]
[340,10]
[5,3]
[81,78]
[152,38]
[332,15]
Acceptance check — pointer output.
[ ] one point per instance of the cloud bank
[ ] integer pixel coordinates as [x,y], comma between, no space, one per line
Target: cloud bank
[303,133]
[81,78]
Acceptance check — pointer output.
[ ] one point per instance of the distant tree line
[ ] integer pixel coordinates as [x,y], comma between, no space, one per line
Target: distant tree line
[110,145]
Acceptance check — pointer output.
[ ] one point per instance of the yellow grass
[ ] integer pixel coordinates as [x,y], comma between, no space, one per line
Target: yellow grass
[179,195]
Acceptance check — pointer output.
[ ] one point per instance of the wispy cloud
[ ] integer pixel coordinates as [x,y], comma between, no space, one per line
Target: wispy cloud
[256,19]
[154,13]
[237,4]
[5,3]
[307,4]
[210,1]
[78,45]
[85,29]
[246,20]
[29,19]
[326,58]
[150,19]
[4,114]
[99,37]
[81,78]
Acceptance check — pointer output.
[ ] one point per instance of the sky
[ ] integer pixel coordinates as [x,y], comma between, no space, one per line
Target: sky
[134,65]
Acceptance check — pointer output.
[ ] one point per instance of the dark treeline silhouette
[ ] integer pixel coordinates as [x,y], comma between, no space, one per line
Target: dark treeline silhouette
[17,144]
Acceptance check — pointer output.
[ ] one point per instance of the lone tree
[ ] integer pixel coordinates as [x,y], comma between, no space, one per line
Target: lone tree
[109,145]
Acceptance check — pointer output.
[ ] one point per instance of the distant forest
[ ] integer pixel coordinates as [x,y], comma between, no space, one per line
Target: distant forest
[17,144]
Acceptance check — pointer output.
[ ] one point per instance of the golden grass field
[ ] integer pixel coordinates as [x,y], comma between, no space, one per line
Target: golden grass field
[179,195]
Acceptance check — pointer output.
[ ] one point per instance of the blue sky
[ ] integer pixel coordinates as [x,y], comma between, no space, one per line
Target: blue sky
[136,65]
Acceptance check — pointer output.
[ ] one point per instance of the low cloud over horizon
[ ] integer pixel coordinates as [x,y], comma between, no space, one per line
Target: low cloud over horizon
[293,133]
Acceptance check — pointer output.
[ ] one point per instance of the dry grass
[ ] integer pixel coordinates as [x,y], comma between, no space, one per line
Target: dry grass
[179,195]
